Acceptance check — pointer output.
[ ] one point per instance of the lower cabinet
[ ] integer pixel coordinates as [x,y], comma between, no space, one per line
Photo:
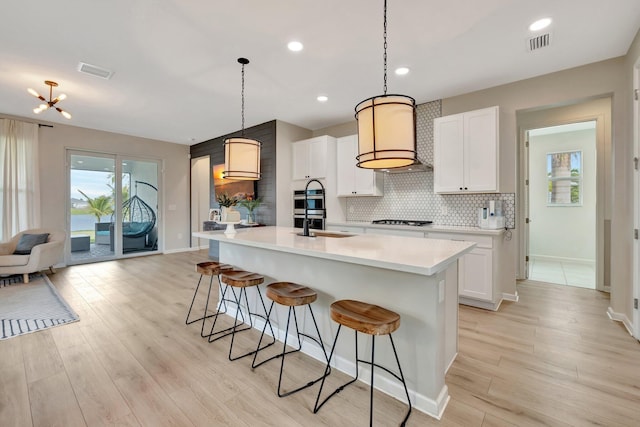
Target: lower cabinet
[478,270]
[475,274]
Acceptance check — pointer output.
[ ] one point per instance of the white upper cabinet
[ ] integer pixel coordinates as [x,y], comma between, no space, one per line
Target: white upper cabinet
[466,152]
[310,158]
[352,180]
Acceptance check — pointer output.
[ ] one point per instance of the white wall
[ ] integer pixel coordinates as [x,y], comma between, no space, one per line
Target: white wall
[567,232]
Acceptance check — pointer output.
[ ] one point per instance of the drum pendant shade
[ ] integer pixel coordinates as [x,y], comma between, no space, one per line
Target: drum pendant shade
[386,132]
[241,159]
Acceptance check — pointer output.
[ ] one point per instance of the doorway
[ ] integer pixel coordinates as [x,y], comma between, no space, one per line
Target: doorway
[200,197]
[562,204]
[113,206]
[596,110]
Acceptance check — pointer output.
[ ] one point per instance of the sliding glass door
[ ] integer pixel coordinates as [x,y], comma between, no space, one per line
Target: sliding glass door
[113,208]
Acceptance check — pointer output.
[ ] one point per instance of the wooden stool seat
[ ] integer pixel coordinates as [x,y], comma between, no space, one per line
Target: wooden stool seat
[366,318]
[241,278]
[211,268]
[291,294]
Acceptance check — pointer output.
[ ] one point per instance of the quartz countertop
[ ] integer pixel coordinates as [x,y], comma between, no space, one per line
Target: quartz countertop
[408,254]
[426,228]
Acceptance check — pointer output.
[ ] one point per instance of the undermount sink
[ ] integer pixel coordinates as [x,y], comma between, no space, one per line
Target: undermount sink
[326,234]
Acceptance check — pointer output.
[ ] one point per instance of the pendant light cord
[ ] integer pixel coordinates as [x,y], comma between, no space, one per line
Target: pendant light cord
[242,99]
[385,46]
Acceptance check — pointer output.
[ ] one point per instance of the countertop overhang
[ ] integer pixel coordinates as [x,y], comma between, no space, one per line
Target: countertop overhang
[408,254]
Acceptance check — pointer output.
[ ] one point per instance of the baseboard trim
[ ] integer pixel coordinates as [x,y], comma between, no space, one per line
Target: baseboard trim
[511,297]
[562,259]
[621,317]
[178,250]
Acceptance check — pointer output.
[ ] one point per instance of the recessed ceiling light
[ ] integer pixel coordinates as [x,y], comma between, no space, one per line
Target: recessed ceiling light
[322,98]
[295,46]
[401,71]
[540,24]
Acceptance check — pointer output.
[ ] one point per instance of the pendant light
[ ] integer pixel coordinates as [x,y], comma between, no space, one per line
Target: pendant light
[386,126]
[242,155]
[51,103]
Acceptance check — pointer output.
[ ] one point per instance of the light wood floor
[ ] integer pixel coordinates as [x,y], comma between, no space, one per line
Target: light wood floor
[552,359]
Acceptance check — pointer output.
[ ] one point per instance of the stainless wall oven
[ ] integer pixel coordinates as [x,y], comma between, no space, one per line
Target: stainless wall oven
[315,209]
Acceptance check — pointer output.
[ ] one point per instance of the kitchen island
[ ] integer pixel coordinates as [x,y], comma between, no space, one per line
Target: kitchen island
[417,278]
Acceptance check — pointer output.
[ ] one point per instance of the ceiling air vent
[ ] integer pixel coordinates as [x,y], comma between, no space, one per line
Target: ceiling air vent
[94,70]
[538,42]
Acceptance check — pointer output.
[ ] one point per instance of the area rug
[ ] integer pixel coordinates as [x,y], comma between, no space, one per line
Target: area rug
[31,307]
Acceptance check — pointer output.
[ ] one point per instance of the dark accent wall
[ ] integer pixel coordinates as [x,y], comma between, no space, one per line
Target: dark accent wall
[265,133]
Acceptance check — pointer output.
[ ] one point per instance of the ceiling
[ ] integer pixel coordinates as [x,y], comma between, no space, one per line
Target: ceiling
[176,77]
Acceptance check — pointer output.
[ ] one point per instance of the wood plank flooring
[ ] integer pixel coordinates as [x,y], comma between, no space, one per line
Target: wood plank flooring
[552,359]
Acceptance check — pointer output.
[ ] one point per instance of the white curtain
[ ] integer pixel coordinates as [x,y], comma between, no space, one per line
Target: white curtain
[20,181]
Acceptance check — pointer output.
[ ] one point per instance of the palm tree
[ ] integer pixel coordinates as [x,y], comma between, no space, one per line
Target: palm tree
[99,206]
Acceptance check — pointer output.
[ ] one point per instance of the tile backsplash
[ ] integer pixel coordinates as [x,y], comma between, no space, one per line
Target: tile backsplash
[410,195]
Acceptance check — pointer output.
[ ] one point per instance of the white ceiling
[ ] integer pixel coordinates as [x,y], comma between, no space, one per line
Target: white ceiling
[176,76]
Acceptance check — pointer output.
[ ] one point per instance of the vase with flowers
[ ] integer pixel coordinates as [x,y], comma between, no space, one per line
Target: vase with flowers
[228,213]
[250,204]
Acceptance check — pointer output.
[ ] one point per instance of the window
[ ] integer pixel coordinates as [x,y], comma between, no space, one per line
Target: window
[564,178]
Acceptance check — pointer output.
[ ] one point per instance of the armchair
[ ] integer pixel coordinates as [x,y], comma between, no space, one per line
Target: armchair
[42,256]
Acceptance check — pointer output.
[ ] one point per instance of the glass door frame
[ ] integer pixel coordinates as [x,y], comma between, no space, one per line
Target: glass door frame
[117,229]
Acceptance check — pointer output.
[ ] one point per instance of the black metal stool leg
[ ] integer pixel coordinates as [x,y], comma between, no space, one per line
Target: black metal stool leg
[193,300]
[249,314]
[284,352]
[214,336]
[373,352]
[406,391]
[255,355]
[317,407]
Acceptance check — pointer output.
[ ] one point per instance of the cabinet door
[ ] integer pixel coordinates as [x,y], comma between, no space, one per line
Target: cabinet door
[346,151]
[317,158]
[448,154]
[352,180]
[475,274]
[481,149]
[300,157]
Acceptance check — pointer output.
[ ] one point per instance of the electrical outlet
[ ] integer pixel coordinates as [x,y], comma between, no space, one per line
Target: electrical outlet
[444,211]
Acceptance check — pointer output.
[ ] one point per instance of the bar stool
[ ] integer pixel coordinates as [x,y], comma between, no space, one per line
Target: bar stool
[291,295]
[243,280]
[209,268]
[371,320]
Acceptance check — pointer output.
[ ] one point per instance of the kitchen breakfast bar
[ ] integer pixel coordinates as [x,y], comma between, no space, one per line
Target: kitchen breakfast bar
[415,277]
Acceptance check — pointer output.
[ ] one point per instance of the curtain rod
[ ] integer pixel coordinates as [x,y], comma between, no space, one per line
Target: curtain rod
[40,125]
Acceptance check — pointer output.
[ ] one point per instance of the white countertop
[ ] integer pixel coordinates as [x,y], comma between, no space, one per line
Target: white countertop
[408,254]
[425,228]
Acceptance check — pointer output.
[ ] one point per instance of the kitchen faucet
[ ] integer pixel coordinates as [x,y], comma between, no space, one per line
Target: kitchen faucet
[305,224]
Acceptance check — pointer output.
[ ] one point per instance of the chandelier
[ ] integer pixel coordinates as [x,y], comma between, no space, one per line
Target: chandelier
[386,126]
[51,103]
[242,155]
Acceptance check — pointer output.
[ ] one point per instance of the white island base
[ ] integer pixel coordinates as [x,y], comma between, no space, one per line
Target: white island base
[344,268]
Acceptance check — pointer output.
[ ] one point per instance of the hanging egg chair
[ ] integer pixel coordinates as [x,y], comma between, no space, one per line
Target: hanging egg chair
[138,218]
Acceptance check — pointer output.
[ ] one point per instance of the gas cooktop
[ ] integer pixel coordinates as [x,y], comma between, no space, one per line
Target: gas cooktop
[401,222]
